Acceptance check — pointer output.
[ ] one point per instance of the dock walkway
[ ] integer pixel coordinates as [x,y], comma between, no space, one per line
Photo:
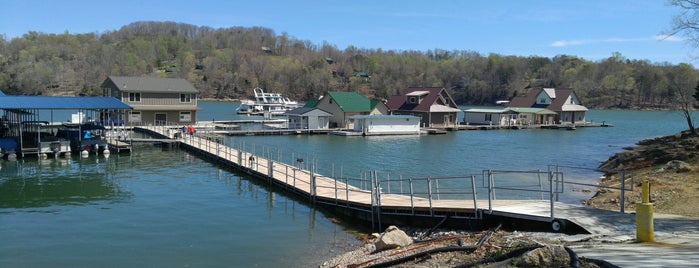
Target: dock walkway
[369,202]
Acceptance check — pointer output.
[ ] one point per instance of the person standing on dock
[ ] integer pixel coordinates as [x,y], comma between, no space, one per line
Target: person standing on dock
[190,130]
[251,159]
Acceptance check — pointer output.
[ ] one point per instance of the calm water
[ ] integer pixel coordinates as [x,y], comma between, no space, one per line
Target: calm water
[168,208]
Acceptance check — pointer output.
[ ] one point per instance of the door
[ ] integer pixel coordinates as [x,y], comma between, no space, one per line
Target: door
[160,119]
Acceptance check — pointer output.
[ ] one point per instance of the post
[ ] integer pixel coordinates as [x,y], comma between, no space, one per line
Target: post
[270,168]
[644,216]
[623,190]
[551,194]
[429,195]
[313,184]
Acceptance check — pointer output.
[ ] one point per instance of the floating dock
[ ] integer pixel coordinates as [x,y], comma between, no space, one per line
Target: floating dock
[366,199]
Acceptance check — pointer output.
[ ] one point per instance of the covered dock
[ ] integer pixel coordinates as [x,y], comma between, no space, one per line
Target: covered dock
[27,124]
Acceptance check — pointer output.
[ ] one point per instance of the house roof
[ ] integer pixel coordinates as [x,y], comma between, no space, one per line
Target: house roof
[351,101]
[431,96]
[527,100]
[151,84]
[61,102]
[166,107]
[558,102]
[305,110]
[311,103]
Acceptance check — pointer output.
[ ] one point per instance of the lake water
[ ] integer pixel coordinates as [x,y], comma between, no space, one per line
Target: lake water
[168,208]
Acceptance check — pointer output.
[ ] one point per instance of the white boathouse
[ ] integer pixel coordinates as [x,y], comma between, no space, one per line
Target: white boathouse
[386,124]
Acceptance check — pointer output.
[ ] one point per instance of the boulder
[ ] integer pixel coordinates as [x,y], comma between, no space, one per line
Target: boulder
[678,166]
[392,238]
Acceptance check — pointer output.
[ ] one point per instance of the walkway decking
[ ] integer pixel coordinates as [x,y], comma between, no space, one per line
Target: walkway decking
[389,208]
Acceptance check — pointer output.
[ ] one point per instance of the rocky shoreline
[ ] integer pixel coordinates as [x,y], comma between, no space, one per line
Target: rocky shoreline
[682,146]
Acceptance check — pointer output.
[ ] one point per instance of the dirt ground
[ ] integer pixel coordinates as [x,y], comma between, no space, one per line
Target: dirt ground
[671,192]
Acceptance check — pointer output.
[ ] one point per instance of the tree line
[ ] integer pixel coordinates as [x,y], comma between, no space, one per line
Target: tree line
[230,62]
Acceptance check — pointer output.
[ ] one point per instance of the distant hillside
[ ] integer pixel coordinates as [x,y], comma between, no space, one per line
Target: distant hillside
[230,62]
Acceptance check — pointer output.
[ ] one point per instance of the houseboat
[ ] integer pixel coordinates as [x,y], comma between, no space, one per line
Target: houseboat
[267,103]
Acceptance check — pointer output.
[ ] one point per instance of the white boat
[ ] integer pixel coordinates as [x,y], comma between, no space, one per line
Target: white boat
[271,103]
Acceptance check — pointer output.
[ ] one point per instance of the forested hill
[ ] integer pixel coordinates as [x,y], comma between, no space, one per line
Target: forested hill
[230,62]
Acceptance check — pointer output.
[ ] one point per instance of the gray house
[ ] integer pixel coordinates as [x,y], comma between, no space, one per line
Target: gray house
[155,101]
[308,118]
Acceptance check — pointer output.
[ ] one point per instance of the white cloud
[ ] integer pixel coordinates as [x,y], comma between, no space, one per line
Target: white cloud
[580,42]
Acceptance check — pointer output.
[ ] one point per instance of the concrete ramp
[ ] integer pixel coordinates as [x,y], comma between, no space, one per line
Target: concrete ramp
[594,221]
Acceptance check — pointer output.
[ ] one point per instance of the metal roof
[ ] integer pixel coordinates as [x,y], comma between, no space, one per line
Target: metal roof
[152,84]
[382,116]
[351,101]
[2,93]
[61,102]
[486,110]
[531,110]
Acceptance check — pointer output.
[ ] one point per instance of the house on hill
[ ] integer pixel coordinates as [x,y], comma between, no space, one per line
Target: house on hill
[155,101]
[563,102]
[344,105]
[433,104]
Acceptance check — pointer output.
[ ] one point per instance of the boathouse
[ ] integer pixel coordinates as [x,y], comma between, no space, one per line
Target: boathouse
[494,117]
[433,105]
[155,101]
[344,105]
[386,124]
[28,124]
[564,102]
[308,118]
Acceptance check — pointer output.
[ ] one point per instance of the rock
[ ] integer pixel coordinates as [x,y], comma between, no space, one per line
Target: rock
[392,238]
[548,256]
[678,166]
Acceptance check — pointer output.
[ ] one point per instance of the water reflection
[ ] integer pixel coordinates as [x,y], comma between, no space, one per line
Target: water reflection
[36,183]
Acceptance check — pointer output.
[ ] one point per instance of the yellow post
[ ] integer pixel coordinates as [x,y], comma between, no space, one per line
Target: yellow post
[644,216]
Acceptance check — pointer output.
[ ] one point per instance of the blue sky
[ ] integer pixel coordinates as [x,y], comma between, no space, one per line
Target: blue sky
[591,29]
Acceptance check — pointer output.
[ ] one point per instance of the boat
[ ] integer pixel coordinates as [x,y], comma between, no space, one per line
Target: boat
[267,103]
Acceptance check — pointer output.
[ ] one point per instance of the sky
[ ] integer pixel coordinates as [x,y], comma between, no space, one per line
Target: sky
[590,29]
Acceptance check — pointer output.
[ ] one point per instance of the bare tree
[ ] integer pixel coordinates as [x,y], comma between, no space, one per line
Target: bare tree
[687,24]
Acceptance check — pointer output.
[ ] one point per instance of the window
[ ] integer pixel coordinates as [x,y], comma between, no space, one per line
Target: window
[186,97]
[135,96]
[413,100]
[135,117]
[488,117]
[186,116]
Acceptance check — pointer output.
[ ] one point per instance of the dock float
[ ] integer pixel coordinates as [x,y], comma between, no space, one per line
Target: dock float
[421,203]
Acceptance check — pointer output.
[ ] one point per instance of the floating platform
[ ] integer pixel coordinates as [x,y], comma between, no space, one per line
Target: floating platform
[371,204]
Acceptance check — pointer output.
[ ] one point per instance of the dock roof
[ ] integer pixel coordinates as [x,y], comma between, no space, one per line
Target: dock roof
[61,102]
